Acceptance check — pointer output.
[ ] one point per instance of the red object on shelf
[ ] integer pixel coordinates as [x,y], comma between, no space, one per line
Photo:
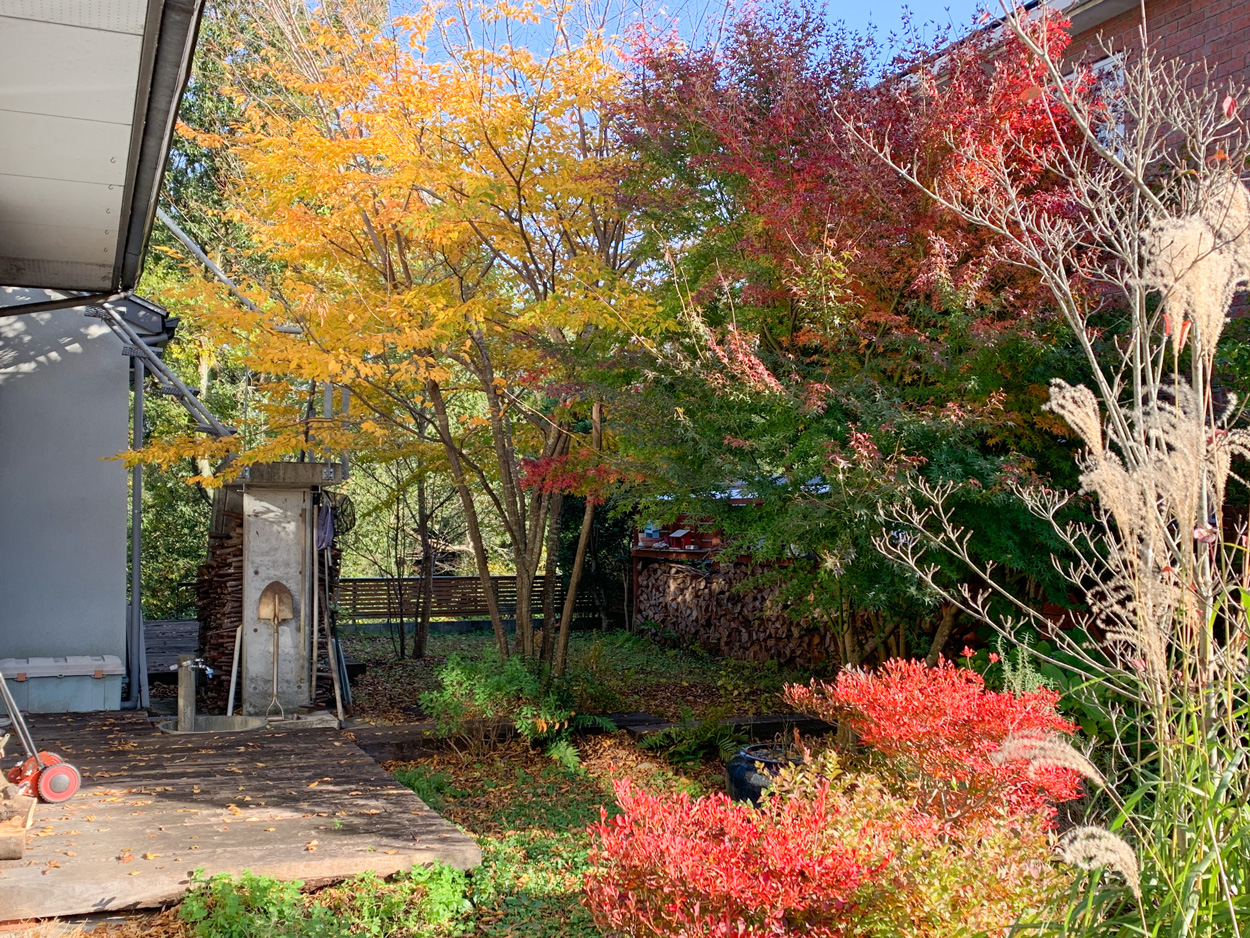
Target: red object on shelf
[681,539]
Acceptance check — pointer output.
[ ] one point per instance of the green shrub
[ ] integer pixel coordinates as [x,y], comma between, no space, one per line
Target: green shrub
[693,740]
[477,692]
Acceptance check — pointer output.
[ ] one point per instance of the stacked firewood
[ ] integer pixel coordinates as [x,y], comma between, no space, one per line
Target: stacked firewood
[707,608]
[219,602]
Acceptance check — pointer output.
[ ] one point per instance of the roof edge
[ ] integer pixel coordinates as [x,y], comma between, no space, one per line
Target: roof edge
[173,26]
[1090,14]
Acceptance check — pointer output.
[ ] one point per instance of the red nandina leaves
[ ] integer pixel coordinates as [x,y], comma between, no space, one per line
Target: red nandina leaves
[936,834]
[941,725]
[682,867]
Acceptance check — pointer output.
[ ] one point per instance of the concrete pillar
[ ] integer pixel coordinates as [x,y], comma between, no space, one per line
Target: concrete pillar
[275,538]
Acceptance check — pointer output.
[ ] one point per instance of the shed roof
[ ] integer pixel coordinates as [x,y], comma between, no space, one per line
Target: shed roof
[89,93]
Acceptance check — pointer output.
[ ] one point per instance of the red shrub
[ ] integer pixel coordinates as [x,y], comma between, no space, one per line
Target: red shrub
[940,726]
[680,867]
[935,834]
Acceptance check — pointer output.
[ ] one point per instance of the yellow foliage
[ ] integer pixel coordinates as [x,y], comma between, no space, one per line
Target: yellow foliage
[434,209]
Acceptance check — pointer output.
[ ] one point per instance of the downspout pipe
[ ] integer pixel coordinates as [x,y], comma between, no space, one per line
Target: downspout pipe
[136,664]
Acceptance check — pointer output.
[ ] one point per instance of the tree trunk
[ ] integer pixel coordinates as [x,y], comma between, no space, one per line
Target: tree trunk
[513,499]
[397,554]
[588,517]
[524,611]
[881,631]
[421,638]
[470,515]
[549,579]
[946,625]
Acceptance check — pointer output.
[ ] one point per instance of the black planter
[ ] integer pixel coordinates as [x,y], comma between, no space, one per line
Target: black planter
[752,770]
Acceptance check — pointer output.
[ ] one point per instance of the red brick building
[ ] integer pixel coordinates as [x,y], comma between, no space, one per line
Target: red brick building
[1217,30]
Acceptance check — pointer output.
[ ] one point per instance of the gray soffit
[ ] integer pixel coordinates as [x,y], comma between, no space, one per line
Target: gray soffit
[1085,15]
[1090,14]
[89,93]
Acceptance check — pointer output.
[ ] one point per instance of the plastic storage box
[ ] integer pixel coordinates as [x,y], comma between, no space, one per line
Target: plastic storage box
[73,684]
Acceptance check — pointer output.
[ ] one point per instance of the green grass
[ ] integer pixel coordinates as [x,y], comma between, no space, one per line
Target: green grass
[425,901]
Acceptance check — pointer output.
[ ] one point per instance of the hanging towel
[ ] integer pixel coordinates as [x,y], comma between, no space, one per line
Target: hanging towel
[325,527]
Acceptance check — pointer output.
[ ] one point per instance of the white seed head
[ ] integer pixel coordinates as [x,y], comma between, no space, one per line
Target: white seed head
[1045,752]
[1088,848]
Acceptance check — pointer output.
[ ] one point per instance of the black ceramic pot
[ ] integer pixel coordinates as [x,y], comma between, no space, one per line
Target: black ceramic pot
[752,769]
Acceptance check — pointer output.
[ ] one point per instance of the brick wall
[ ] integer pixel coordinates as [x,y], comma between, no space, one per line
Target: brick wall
[1217,30]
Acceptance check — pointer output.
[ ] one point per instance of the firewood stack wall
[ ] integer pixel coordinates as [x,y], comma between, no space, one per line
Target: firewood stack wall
[704,607]
[219,604]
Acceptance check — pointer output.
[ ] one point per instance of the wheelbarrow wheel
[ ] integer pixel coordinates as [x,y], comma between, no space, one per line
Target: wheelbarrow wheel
[58,783]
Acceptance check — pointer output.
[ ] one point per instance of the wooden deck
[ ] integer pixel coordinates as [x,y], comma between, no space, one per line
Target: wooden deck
[303,804]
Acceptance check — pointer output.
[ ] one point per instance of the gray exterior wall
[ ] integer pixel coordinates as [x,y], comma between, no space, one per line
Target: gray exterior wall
[64,409]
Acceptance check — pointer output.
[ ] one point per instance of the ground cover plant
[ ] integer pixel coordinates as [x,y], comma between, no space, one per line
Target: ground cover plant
[532,818]
[423,901]
[612,672]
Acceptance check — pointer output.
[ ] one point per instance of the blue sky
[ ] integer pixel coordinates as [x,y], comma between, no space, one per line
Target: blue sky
[695,17]
[888,16]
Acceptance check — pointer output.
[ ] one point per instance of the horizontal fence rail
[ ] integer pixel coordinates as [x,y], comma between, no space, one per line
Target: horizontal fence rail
[373,599]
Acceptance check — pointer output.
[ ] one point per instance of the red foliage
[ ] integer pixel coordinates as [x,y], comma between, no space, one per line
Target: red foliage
[583,474]
[679,867]
[942,725]
[756,126]
[832,851]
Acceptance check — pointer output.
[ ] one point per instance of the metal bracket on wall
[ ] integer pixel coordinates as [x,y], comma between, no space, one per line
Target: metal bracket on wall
[168,383]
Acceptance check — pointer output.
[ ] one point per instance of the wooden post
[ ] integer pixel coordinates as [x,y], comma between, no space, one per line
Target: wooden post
[186,693]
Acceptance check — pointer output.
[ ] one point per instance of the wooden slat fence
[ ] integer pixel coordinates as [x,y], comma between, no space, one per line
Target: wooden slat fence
[373,599]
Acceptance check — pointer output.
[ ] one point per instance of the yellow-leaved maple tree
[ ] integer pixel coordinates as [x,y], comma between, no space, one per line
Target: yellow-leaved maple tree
[436,201]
